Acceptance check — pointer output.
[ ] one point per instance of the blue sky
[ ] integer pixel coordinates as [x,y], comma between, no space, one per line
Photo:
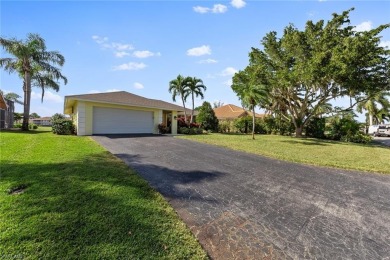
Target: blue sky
[139,46]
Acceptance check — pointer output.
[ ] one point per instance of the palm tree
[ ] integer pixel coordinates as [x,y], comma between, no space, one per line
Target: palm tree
[30,59]
[45,80]
[178,88]
[251,93]
[376,114]
[195,88]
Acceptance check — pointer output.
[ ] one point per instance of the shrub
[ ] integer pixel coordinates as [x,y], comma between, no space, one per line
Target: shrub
[32,126]
[184,130]
[190,131]
[206,117]
[357,138]
[18,125]
[61,125]
[181,122]
[316,128]
[339,127]
[242,124]
[163,129]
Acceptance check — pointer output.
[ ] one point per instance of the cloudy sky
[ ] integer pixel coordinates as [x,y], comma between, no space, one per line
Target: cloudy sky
[139,46]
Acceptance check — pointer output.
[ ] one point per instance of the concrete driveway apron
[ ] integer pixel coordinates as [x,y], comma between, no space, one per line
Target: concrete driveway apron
[244,206]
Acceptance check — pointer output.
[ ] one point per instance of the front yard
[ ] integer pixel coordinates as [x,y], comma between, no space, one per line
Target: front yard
[65,197]
[373,157]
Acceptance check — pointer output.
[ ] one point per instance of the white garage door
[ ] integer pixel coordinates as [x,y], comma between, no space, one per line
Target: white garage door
[121,121]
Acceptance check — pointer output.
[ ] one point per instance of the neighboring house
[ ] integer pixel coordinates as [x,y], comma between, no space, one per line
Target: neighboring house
[120,113]
[42,121]
[7,109]
[231,112]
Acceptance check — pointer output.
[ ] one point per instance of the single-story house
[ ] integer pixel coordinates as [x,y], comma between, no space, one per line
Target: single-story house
[42,121]
[7,109]
[120,113]
[231,112]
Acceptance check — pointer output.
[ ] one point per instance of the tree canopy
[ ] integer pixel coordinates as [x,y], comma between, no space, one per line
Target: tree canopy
[177,88]
[305,69]
[34,64]
[206,117]
[196,88]
[247,84]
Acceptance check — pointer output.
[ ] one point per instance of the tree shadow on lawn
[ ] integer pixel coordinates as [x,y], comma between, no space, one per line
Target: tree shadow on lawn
[92,208]
[319,142]
[307,142]
[20,131]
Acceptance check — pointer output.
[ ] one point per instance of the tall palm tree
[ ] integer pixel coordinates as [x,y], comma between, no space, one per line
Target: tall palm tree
[178,88]
[30,58]
[195,88]
[377,106]
[251,93]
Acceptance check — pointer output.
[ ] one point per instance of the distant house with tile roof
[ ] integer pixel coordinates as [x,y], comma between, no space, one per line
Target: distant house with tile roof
[231,112]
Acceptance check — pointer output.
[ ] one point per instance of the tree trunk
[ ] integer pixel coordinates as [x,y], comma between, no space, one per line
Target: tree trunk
[298,131]
[26,102]
[371,119]
[193,106]
[185,114]
[253,122]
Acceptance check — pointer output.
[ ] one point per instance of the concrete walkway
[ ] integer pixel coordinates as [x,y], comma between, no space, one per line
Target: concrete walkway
[243,206]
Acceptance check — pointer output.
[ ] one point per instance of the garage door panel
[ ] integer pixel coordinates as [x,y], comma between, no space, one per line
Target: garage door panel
[121,121]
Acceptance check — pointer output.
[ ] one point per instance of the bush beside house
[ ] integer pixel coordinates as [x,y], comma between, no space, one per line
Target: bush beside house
[61,125]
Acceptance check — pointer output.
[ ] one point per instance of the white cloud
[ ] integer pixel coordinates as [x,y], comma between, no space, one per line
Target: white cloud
[99,40]
[113,90]
[238,3]
[385,44]
[199,51]
[119,49]
[49,96]
[130,66]
[94,91]
[217,9]
[229,71]
[145,54]
[138,85]
[201,9]
[364,26]
[208,61]
[121,54]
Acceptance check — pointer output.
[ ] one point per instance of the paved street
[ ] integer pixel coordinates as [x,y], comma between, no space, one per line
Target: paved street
[243,206]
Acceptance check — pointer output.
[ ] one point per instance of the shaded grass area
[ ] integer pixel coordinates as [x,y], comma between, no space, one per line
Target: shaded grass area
[371,157]
[77,201]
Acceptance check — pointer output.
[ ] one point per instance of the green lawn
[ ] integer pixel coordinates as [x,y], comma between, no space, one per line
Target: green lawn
[80,202]
[374,158]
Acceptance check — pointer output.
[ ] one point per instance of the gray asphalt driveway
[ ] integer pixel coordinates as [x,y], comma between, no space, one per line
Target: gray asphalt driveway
[383,140]
[243,206]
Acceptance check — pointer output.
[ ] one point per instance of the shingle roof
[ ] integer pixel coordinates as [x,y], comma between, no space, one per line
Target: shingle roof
[125,98]
[232,112]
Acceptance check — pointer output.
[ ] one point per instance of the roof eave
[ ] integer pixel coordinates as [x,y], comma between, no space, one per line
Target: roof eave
[66,108]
